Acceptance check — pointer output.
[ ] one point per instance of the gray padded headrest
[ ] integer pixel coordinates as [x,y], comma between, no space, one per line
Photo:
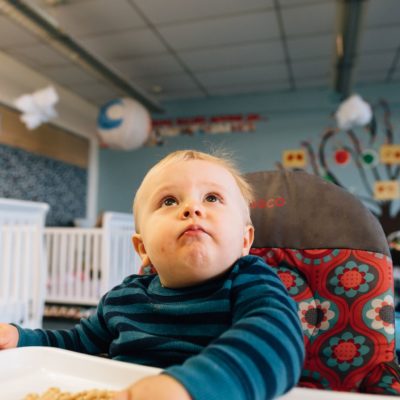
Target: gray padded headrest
[297,210]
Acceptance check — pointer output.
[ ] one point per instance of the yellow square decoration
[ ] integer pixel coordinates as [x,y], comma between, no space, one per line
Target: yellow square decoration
[386,190]
[294,158]
[390,154]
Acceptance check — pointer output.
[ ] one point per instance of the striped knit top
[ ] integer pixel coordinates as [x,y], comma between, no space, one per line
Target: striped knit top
[236,337]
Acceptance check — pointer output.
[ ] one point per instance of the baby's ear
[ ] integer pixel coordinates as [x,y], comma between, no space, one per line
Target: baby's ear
[248,238]
[140,249]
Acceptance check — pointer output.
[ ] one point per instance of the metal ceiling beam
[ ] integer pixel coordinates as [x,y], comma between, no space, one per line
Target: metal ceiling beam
[32,18]
[349,28]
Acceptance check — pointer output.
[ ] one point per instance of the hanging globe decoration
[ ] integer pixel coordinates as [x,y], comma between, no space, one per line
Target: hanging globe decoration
[123,124]
[369,158]
[341,156]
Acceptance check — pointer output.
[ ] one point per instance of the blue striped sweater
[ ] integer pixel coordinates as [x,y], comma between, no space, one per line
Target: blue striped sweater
[237,337]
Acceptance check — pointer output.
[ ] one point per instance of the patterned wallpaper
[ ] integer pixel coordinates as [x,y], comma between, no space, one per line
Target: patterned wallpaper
[28,176]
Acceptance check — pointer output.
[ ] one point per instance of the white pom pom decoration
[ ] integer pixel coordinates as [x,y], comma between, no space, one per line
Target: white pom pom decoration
[352,112]
[123,124]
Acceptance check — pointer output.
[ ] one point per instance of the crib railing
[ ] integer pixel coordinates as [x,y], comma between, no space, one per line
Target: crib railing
[22,262]
[84,263]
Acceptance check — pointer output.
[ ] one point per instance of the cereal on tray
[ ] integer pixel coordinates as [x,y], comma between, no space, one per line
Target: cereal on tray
[54,393]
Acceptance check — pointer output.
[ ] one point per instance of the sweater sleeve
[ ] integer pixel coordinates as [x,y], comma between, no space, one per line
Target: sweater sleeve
[89,336]
[261,355]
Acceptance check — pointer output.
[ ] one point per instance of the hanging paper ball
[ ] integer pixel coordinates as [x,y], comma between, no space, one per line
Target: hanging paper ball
[342,157]
[369,158]
[123,124]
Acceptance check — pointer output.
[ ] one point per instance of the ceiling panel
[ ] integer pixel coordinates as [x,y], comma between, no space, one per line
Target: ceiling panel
[375,62]
[315,82]
[249,88]
[40,55]
[183,10]
[95,16]
[221,31]
[316,18]
[182,94]
[233,76]
[386,38]
[12,34]
[125,44]
[291,3]
[311,47]
[168,83]
[382,12]
[68,74]
[313,68]
[164,64]
[96,92]
[231,56]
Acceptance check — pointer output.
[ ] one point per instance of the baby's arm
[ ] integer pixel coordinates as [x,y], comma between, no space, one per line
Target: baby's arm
[8,336]
[261,356]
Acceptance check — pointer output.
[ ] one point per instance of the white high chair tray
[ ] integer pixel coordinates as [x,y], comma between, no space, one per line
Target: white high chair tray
[35,369]
[314,394]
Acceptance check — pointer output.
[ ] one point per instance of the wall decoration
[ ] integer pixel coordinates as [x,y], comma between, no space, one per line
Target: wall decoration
[378,176]
[294,158]
[386,190]
[205,125]
[37,107]
[342,156]
[123,124]
[390,154]
[28,176]
[369,158]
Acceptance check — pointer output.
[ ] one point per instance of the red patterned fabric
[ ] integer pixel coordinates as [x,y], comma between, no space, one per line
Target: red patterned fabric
[345,300]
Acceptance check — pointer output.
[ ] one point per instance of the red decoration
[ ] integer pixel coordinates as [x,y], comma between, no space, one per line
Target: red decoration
[342,157]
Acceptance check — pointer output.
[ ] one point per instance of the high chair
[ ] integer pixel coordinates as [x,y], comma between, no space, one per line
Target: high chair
[333,257]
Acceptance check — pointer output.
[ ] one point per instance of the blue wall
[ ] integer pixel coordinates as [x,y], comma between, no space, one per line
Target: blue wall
[292,117]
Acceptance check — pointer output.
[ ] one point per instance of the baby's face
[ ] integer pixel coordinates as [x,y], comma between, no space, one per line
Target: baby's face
[192,221]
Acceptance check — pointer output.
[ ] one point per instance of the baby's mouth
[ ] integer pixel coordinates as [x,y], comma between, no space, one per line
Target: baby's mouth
[193,230]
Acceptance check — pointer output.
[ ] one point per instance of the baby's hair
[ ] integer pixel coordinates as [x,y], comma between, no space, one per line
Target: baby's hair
[218,157]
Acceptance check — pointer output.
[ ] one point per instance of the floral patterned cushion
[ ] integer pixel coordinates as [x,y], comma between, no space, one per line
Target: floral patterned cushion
[333,257]
[345,302]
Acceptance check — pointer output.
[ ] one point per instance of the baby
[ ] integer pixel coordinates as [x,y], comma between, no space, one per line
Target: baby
[217,320]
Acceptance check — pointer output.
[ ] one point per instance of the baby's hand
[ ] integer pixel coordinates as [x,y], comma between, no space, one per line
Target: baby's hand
[8,336]
[159,387]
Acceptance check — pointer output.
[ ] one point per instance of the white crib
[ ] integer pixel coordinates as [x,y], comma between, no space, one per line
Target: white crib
[22,262]
[84,263]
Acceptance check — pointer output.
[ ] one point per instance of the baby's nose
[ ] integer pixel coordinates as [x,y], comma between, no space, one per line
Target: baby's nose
[191,210]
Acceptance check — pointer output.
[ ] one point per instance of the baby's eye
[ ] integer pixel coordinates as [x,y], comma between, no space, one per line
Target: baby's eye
[169,201]
[212,198]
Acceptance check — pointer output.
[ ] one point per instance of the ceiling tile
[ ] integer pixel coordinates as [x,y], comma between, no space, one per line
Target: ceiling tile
[231,56]
[12,35]
[376,61]
[68,74]
[382,12]
[164,64]
[313,83]
[314,68]
[249,88]
[183,94]
[295,3]
[380,39]
[260,74]
[316,18]
[311,47]
[98,90]
[124,44]
[168,83]
[217,32]
[40,55]
[183,10]
[371,76]
[91,17]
